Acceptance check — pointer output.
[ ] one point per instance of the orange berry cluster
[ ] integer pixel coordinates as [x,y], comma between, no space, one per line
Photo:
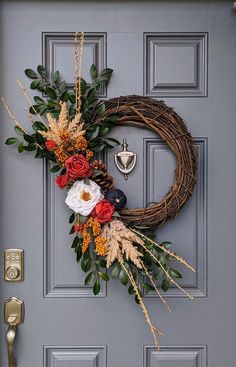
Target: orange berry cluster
[100,242]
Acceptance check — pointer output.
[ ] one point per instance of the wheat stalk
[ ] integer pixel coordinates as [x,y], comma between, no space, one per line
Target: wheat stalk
[177,257]
[155,331]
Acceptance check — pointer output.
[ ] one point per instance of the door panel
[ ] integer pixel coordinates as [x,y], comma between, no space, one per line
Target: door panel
[180,51]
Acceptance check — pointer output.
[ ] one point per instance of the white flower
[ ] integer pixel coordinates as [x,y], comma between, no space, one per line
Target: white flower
[82,197]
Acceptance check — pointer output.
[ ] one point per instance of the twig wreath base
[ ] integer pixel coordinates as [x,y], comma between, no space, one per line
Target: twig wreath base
[148,113]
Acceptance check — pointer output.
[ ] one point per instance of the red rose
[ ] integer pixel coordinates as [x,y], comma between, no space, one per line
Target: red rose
[77,166]
[78,227]
[61,181]
[50,144]
[103,211]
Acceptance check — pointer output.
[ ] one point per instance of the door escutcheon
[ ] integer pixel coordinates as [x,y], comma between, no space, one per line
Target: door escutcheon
[14,312]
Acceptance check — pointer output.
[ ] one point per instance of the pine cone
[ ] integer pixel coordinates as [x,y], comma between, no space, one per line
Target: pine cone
[105,181]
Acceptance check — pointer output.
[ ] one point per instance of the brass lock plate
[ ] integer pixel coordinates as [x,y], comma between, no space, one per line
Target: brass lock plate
[14,311]
[14,265]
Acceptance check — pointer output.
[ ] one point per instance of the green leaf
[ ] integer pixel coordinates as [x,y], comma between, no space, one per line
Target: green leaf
[30,147]
[111,142]
[62,86]
[65,96]
[165,285]
[21,148]
[56,77]
[51,93]
[106,71]
[115,271]
[71,98]
[31,74]
[39,138]
[148,286]
[93,71]
[75,242]
[72,230]
[18,130]
[38,100]
[35,84]
[42,71]
[96,287]
[86,264]
[123,277]
[94,134]
[38,125]
[101,110]
[98,148]
[101,262]
[103,130]
[55,168]
[104,276]
[175,273]
[42,109]
[11,141]
[34,108]
[89,278]
[131,289]
[29,138]
[40,154]
[166,244]
[72,218]
[78,253]
[149,245]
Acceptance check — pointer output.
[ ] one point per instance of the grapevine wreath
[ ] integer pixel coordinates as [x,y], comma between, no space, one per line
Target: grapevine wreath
[70,129]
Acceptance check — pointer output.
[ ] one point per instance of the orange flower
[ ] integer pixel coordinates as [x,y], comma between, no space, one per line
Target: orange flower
[89,154]
[100,243]
[86,240]
[81,143]
[61,155]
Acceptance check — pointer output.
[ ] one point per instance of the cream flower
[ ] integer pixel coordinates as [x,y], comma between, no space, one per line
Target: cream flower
[83,197]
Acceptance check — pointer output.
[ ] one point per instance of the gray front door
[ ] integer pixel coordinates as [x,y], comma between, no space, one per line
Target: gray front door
[182,52]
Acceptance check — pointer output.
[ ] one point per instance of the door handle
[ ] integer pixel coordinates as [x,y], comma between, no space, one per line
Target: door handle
[14,311]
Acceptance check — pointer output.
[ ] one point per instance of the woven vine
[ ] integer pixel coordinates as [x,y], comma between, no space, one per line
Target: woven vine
[148,113]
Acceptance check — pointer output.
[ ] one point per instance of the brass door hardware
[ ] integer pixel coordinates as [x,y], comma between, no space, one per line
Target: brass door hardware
[14,265]
[14,311]
[125,160]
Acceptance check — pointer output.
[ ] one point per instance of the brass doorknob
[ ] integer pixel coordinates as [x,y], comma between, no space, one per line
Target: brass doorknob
[13,316]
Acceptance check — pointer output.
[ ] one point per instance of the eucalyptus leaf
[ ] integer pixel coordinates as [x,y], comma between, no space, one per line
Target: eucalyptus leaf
[123,277]
[18,130]
[165,285]
[96,287]
[31,74]
[11,141]
[51,93]
[75,242]
[89,278]
[35,83]
[115,271]
[55,168]
[42,71]
[93,71]
[175,273]
[104,276]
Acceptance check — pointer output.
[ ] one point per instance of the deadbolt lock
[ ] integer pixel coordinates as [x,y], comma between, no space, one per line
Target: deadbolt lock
[14,265]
